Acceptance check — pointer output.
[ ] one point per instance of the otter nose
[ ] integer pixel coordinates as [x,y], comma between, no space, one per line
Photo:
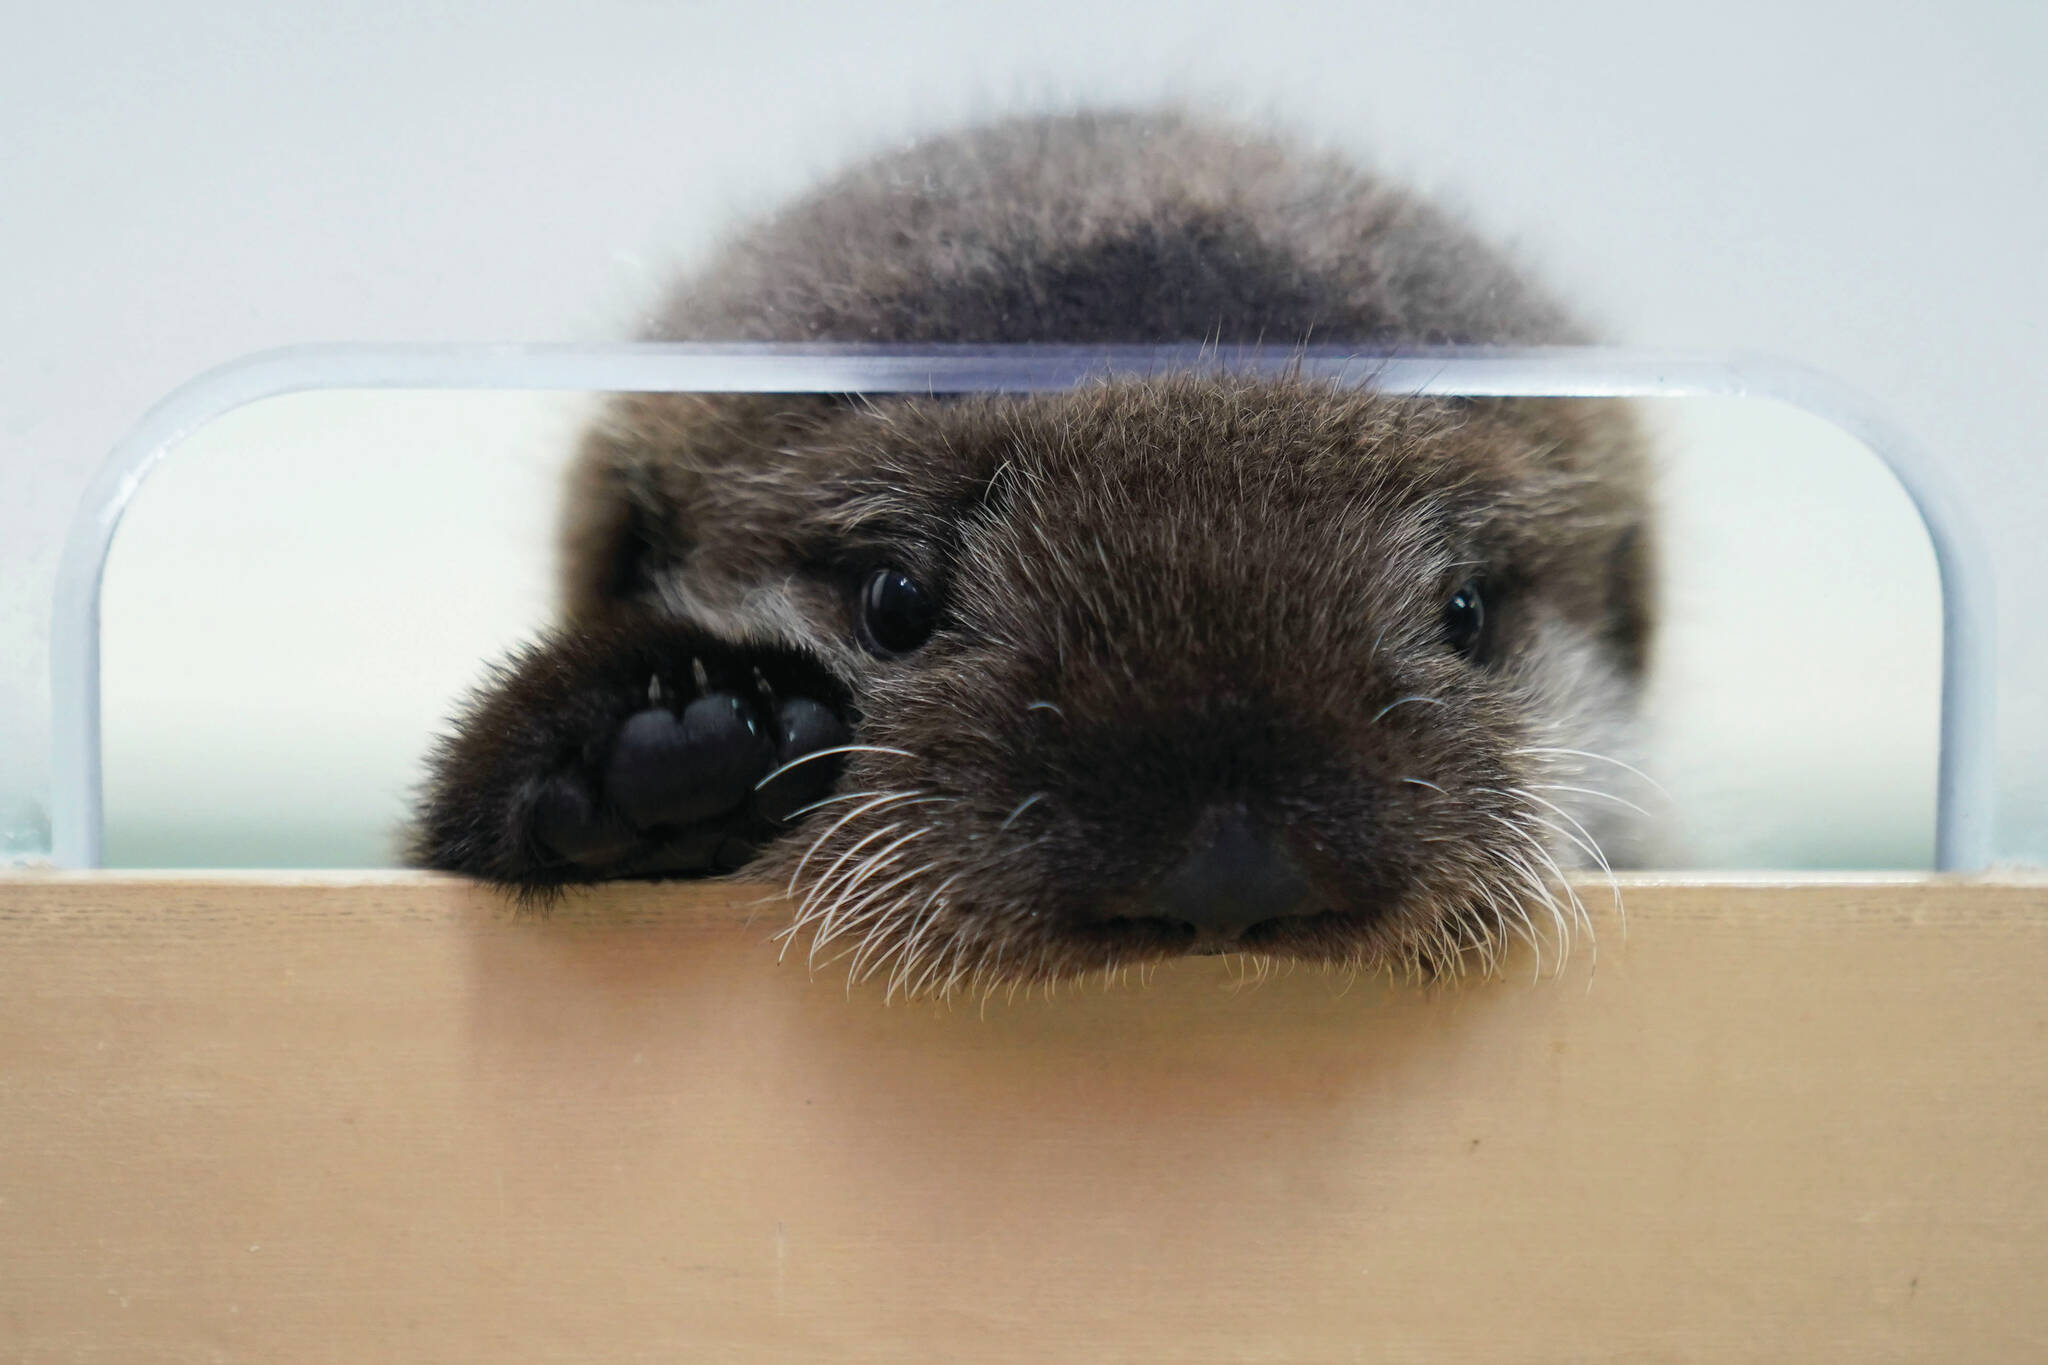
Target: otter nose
[1232,878]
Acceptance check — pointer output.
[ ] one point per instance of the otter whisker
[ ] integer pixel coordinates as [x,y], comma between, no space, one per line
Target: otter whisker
[829,916]
[875,934]
[810,909]
[802,759]
[819,887]
[824,880]
[1589,791]
[912,955]
[1535,845]
[1579,912]
[1026,804]
[964,955]
[856,813]
[1584,839]
[1492,945]
[988,974]
[880,859]
[960,965]
[906,946]
[934,905]
[943,964]
[835,800]
[873,925]
[879,862]
[1533,880]
[871,921]
[872,918]
[1591,850]
[1402,701]
[816,908]
[874,915]
[1514,917]
[820,918]
[1587,842]
[860,912]
[1541,891]
[943,967]
[884,931]
[910,939]
[1601,758]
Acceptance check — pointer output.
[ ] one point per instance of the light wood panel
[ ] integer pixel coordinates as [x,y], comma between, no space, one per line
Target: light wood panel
[382,1118]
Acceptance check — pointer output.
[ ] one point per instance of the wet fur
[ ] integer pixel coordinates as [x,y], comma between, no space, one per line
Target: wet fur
[1157,595]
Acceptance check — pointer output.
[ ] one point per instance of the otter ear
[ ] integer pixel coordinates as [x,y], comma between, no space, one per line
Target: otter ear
[619,534]
[658,470]
[623,523]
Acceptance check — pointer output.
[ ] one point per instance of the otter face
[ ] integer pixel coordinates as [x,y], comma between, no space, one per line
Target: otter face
[1190,666]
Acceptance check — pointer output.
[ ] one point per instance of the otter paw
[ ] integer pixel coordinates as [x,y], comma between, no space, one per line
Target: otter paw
[645,753]
[690,788]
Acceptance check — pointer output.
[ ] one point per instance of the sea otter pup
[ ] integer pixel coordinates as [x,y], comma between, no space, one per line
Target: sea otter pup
[1010,689]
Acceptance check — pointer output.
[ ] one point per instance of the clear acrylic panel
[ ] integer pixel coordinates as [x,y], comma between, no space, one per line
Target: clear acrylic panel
[343,536]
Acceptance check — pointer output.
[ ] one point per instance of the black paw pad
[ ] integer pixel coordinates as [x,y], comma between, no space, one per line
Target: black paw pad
[675,770]
[806,768]
[645,749]
[570,825]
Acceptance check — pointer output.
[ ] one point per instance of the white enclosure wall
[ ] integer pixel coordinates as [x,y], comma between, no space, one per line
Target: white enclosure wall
[1863,187]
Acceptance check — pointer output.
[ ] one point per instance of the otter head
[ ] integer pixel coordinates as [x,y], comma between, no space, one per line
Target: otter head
[1184,665]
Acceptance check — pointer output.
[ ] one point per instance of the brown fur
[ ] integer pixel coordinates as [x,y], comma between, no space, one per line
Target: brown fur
[1157,595]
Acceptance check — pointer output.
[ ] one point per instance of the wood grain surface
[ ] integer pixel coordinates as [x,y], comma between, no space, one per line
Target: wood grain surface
[353,1119]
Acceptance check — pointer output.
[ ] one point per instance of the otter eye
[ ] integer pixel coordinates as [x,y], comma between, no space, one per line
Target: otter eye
[1465,620]
[896,614]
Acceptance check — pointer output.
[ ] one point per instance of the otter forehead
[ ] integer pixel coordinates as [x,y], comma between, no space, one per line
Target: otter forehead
[1237,508]
[1125,449]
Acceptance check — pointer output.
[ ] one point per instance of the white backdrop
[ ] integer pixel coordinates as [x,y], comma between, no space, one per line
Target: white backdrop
[1860,186]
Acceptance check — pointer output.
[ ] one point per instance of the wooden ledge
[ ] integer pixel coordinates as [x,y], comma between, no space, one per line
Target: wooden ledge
[354,1117]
